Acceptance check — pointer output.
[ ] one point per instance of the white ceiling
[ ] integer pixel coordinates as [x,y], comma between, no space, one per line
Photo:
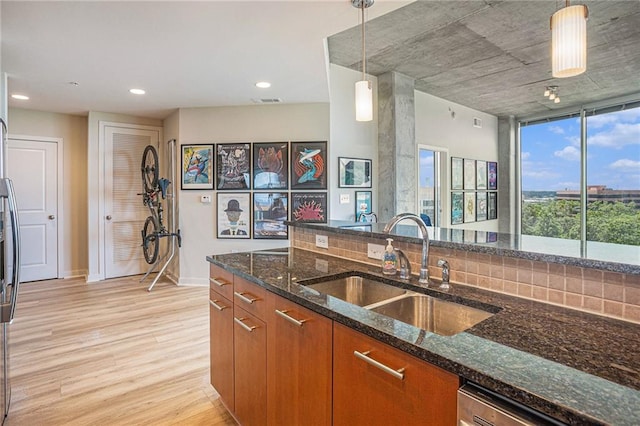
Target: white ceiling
[184,54]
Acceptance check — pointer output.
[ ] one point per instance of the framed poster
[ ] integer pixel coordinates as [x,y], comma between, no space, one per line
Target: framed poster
[271,165]
[469,174]
[233,166]
[457,208]
[456,173]
[363,203]
[481,206]
[492,175]
[481,174]
[309,207]
[270,211]
[234,215]
[308,165]
[469,207]
[197,166]
[354,173]
[457,235]
[492,206]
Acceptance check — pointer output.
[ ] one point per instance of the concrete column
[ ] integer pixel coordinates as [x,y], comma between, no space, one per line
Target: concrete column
[397,174]
[508,190]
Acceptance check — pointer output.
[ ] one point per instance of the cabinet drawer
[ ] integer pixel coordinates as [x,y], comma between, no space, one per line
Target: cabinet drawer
[250,296]
[221,281]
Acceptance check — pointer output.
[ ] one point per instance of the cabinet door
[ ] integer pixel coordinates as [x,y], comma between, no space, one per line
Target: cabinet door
[250,347]
[250,296]
[365,394]
[221,281]
[299,364]
[221,347]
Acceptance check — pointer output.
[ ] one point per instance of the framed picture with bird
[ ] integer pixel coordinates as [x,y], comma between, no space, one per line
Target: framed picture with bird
[308,165]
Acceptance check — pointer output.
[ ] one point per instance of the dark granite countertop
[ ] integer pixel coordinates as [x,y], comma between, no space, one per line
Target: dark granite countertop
[576,367]
[609,257]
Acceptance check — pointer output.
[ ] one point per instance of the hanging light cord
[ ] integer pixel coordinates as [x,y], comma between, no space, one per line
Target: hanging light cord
[364,49]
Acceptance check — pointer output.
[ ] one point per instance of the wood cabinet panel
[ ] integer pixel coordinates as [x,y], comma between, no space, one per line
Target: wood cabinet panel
[221,347]
[250,350]
[366,395]
[251,297]
[221,281]
[299,364]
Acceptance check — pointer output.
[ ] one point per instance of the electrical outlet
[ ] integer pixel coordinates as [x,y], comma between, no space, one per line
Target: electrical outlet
[375,251]
[322,241]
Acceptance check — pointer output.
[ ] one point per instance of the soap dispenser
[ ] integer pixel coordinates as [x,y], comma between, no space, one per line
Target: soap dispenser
[389,259]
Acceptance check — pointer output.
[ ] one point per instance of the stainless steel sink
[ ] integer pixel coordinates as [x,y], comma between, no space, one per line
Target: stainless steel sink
[432,314]
[358,290]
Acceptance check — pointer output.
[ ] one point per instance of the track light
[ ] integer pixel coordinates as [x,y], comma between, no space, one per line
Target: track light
[551,92]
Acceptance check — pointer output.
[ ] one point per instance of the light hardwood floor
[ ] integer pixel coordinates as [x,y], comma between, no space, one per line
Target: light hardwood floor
[111,353]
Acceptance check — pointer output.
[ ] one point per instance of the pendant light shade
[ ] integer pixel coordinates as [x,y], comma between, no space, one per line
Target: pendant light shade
[569,41]
[364,92]
[364,101]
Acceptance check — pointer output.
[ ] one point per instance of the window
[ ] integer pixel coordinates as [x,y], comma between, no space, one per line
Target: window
[429,184]
[590,193]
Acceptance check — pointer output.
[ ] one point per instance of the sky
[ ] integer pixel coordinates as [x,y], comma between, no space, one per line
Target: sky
[551,153]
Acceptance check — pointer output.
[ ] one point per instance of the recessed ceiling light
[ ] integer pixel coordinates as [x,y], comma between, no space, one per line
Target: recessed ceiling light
[20,97]
[263,84]
[137,91]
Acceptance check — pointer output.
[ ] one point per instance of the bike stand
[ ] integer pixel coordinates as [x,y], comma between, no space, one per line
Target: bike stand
[169,257]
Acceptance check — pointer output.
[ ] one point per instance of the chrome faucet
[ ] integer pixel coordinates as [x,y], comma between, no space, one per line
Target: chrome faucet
[445,274]
[424,269]
[404,266]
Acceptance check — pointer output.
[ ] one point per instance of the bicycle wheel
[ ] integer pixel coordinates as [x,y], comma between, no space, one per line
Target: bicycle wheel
[150,240]
[150,169]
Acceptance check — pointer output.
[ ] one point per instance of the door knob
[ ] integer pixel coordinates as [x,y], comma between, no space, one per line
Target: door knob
[109,217]
[51,217]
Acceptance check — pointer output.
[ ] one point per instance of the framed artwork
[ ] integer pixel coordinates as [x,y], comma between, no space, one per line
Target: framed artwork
[457,208]
[308,165]
[469,174]
[270,211]
[457,235]
[233,166]
[354,173]
[234,215]
[481,174]
[469,236]
[363,203]
[197,166]
[481,206]
[492,237]
[271,165]
[309,207]
[456,173]
[481,236]
[492,206]
[469,207]
[492,175]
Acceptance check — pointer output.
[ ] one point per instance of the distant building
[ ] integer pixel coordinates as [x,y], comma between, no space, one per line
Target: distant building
[602,193]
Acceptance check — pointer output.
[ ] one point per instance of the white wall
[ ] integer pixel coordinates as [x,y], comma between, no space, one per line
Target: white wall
[350,138]
[72,129]
[259,123]
[445,124]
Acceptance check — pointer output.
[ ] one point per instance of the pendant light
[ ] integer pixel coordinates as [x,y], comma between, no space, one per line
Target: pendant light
[364,91]
[569,41]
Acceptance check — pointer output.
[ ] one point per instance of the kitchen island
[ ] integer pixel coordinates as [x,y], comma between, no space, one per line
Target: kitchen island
[573,366]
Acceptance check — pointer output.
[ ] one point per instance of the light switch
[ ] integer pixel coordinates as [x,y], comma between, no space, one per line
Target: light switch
[344,198]
[205,199]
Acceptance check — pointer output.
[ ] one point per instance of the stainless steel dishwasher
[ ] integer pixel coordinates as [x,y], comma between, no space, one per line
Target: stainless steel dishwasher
[481,407]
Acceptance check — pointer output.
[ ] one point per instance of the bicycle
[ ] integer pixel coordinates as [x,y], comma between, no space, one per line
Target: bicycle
[153,188]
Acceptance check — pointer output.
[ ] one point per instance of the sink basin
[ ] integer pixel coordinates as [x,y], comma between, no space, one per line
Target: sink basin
[432,314]
[358,290]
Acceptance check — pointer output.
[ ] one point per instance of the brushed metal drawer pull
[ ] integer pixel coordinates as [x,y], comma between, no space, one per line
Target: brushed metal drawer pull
[398,374]
[243,325]
[244,298]
[288,317]
[214,303]
[220,282]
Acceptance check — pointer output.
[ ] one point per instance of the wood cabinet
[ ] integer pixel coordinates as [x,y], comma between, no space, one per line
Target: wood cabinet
[250,362]
[221,339]
[299,364]
[376,384]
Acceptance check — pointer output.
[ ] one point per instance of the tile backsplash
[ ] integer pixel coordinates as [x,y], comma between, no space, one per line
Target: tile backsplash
[596,291]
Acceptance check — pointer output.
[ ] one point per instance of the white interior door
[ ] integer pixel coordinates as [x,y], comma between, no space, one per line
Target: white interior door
[33,167]
[124,212]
